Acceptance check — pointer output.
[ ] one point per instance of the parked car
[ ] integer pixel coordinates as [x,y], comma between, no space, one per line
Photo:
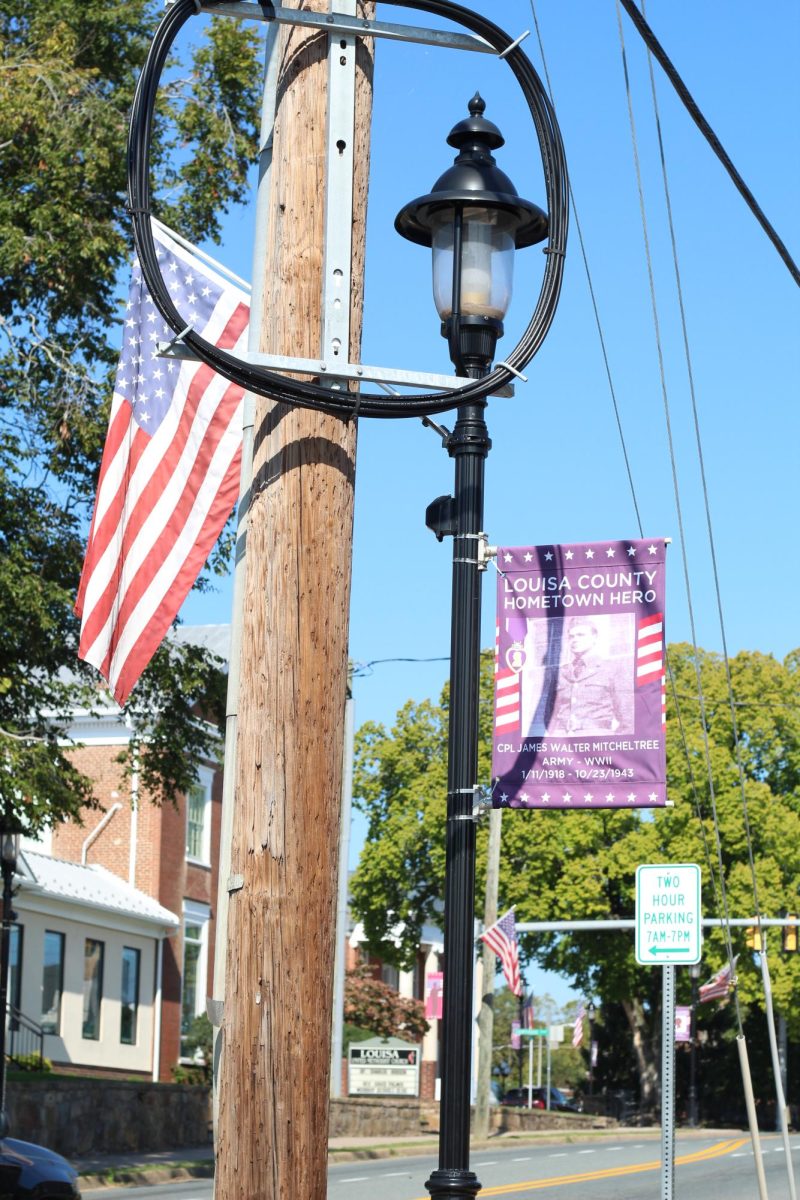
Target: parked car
[518,1098]
[29,1172]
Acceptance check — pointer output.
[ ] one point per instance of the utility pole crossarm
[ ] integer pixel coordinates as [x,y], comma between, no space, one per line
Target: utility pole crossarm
[346,23]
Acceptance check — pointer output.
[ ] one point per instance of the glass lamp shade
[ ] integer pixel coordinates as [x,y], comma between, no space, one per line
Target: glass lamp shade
[487,262]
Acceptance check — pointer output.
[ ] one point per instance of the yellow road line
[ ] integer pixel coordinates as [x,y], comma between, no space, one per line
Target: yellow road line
[531,1185]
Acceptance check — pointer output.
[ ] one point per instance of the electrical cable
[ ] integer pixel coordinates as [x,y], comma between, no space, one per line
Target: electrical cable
[658,52]
[592,294]
[681,531]
[618,417]
[299,392]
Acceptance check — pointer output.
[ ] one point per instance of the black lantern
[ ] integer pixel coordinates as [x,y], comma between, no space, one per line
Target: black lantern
[473,220]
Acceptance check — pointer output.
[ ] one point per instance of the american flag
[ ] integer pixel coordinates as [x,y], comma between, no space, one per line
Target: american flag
[719,986]
[170,471]
[577,1028]
[502,938]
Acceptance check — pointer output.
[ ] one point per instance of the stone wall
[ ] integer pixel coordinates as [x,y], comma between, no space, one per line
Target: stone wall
[77,1117]
[382,1116]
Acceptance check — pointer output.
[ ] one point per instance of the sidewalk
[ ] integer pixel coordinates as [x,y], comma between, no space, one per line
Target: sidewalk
[198,1162]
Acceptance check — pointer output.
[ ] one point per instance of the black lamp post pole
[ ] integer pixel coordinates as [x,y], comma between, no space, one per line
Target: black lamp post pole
[469,446]
[7,866]
[693,1116]
[591,1049]
[489,220]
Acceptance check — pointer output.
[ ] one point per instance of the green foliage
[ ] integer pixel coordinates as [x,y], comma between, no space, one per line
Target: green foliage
[400,784]
[27,1064]
[557,866]
[197,1044]
[371,1004]
[67,78]
[352,1034]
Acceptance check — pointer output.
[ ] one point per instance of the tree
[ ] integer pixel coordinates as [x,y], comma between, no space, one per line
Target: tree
[371,1004]
[67,76]
[559,865]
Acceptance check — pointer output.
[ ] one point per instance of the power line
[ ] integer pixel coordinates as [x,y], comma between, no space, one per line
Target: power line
[690,104]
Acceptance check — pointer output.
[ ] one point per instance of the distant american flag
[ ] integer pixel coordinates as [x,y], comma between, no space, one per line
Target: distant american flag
[577,1028]
[502,938]
[719,987]
[170,471]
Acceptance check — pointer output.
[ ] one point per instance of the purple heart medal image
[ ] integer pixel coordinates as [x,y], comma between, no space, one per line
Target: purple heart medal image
[580,684]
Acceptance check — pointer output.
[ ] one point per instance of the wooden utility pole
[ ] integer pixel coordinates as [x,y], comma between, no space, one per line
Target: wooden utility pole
[274,1072]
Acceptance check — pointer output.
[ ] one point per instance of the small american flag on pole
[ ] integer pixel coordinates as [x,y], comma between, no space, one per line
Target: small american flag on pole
[170,471]
[719,986]
[502,938]
[577,1028]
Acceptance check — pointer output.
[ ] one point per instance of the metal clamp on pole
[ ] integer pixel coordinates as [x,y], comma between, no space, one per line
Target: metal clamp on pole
[481,807]
[485,552]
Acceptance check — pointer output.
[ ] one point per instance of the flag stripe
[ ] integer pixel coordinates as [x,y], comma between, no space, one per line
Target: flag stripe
[149,586]
[153,631]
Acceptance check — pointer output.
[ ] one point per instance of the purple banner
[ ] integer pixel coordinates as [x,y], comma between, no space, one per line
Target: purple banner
[580,676]
[683,1023]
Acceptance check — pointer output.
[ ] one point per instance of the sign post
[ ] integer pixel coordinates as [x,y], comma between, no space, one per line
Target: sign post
[530,1034]
[668,925]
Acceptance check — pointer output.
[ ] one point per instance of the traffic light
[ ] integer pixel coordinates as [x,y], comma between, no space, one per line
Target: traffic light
[790,934]
[752,938]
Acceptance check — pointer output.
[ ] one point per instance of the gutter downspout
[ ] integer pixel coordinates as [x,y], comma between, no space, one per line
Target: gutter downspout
[157,1002]
[134,831]
[98,829]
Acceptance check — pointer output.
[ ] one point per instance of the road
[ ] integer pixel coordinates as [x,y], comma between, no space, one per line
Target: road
[609,1170]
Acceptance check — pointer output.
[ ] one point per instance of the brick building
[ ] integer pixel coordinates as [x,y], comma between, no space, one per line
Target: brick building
[166,861]
[166,853]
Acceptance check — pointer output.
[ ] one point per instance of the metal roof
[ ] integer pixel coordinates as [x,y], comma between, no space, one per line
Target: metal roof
[93,886]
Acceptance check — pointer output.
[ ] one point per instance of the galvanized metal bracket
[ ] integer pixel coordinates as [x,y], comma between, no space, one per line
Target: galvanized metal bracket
[482,803]
[345,22]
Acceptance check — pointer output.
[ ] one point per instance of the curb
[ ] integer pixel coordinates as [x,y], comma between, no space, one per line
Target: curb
[116,1177]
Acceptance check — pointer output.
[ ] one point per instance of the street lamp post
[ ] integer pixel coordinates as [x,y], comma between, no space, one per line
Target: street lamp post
[9,852]
[590,1011]
[473,220]
[694,973]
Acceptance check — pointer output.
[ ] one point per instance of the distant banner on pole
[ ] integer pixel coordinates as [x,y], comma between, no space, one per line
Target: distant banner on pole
[434,995]
[683,1023]
[580,683]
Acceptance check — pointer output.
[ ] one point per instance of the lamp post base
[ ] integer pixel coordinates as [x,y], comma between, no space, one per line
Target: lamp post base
[446,1184]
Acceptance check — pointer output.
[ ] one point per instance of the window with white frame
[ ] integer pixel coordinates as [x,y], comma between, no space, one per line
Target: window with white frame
[195,963]
[198,819]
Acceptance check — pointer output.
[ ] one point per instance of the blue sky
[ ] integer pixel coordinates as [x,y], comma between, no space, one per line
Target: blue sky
[556,471]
